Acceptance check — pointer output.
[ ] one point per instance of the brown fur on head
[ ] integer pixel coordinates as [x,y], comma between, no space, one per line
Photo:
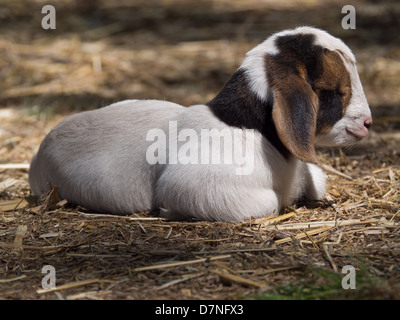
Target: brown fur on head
[311,90]
[298,88]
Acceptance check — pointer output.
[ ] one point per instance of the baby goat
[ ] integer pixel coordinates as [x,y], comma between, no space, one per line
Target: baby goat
[297,89]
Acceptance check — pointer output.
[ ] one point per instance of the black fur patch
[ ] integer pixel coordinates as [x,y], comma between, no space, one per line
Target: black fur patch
[299,49]
[330,109]
[237,106]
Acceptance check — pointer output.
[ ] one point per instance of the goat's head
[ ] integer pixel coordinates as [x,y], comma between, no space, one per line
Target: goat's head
[317,94]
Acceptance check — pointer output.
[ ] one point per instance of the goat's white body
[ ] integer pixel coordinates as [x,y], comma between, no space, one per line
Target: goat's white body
[98,159]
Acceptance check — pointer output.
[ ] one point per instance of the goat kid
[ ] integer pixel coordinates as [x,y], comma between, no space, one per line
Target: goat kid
[297,89]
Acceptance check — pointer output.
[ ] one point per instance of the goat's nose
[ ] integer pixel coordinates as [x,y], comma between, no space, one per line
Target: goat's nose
[368,122]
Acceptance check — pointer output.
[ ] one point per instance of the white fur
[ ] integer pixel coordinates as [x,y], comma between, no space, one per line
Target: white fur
[107,170]
[254,64]
[98,158]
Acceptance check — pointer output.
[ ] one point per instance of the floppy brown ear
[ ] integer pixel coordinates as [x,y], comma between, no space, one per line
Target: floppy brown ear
[295,115]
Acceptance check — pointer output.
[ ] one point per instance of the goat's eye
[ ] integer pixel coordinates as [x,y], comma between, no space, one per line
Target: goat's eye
[344,91]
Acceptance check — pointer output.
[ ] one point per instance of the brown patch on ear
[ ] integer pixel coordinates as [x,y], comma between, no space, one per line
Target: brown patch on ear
[295,111]
[295,106]
[294,115]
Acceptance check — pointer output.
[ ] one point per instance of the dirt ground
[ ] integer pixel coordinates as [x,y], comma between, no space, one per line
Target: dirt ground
[184,51]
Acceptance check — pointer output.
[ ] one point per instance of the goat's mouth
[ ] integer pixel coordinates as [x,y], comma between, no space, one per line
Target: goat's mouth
[357,134]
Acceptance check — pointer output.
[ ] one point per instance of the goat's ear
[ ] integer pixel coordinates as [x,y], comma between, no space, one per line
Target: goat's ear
[295,114]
